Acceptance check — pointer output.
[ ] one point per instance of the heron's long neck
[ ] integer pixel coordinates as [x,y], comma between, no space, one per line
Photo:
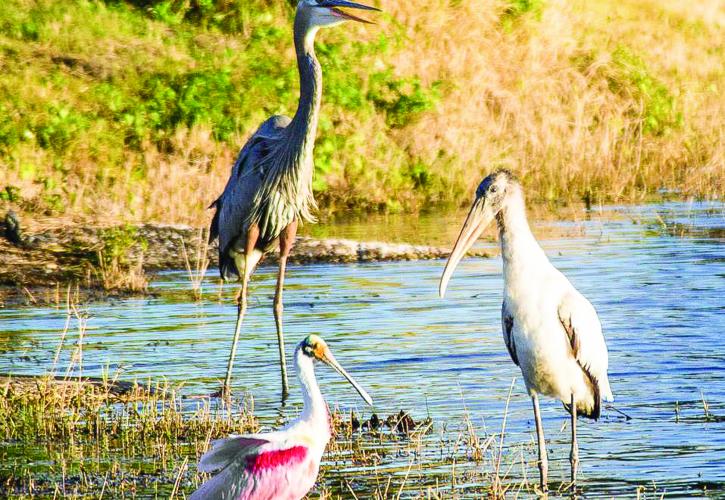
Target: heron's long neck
[315,409]
[304,124]
[520,251]
[291,171]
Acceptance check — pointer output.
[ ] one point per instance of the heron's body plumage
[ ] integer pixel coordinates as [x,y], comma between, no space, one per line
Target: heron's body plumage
[270,184]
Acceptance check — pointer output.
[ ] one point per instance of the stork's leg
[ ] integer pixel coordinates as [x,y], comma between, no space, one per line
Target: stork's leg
[574,455]
[286,240]
[241,299]
[543,460]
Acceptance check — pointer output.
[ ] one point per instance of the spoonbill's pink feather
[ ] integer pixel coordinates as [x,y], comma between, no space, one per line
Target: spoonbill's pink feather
[256,469]
[223,451]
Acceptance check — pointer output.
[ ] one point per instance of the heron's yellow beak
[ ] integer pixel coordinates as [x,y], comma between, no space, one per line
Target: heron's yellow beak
[479,217]
[334,5]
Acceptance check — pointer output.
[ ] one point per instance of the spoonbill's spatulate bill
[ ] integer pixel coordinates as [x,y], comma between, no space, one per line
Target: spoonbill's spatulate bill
[551,331]
[270,187]
[282,464]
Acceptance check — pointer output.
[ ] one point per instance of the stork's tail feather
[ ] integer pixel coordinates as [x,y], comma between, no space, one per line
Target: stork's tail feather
[605,390]
[591,409]
[593,412]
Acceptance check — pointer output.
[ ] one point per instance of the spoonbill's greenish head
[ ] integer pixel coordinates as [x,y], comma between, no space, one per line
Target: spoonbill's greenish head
[314,347]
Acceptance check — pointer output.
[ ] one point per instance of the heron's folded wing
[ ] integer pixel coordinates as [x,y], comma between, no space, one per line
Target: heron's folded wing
[244,181]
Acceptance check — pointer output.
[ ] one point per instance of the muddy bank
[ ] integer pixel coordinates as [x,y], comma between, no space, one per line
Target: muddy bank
[39,268]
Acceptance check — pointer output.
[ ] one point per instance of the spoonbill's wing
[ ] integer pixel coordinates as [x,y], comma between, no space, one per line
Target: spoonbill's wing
[223,451]
[257,468]
[582,327]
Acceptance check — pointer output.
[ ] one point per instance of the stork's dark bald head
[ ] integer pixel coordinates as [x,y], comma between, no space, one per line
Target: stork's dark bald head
[495,185]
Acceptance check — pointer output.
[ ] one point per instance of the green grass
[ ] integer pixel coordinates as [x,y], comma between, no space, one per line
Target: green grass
[660,110]
[108,108]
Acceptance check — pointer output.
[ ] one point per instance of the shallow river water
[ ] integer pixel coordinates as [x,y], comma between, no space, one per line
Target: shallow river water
[656,275]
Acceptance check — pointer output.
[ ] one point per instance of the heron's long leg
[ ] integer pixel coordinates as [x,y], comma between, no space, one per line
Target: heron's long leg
[543,460]
[241,298]
[574,455]
[286,240]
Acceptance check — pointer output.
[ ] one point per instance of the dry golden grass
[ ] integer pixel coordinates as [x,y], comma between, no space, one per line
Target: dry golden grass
[519,101]
[562,96]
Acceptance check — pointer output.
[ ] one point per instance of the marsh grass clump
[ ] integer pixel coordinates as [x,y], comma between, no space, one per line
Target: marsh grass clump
[197,270]
[516,9]
[430,460]
[653,102]
[116,269]
[90,430]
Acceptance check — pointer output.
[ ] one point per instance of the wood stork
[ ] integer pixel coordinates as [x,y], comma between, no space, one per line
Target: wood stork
[281,464]
[551,331]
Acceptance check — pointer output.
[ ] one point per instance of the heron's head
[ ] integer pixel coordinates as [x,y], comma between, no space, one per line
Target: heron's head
[324,13]
[316,349]
[492,196]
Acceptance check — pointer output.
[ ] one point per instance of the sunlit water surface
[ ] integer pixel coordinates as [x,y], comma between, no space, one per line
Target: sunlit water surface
[655,274]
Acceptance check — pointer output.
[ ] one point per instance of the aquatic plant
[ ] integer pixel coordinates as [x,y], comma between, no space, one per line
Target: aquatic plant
[116,269]
[201,262]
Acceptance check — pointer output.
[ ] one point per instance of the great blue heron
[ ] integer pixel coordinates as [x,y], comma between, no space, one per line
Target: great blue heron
[270,187]
[551,331]
[283,463]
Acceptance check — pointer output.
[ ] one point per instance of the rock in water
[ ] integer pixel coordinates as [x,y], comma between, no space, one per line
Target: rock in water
[12,228]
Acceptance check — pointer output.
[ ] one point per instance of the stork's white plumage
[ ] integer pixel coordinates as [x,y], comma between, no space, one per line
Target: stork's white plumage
[551,331]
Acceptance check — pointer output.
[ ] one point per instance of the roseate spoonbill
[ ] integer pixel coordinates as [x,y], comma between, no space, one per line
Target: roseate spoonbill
[551,331]
[270,187]
[281,464]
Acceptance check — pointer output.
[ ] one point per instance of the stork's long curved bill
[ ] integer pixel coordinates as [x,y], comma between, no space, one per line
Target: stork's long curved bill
[478,218]
[330,360]
[333,4]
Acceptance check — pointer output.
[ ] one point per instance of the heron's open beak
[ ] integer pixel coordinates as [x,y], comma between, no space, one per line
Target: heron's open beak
[478,218]
[330,360]
[333,4]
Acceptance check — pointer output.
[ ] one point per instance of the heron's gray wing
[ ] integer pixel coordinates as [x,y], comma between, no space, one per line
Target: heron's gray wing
[507,325]
[236,201]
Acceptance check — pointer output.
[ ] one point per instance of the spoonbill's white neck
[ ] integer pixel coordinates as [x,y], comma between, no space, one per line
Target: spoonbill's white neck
[315,408]
[519,248]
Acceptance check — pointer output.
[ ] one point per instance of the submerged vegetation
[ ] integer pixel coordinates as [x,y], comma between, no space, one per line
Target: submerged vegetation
[134,110]
[72,438]
[63,434]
